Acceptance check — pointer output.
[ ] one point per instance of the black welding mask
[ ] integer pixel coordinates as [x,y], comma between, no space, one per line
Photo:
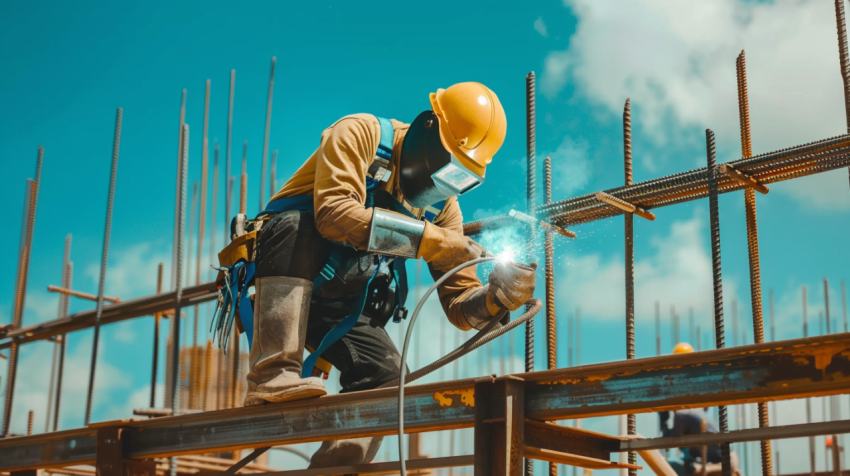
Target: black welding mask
[429,173]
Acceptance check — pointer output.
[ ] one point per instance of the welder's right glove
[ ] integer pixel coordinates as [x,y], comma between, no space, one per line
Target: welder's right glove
[444,249]
[510,286]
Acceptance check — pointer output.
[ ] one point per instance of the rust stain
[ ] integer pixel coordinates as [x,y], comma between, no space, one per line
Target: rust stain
[467,397]
[594,378]
[561,382]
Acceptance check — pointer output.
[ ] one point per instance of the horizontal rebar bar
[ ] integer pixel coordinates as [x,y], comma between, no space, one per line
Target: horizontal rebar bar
[70,292]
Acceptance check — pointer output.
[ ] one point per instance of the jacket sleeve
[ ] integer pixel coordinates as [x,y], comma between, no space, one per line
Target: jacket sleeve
[455,290]
[339,190]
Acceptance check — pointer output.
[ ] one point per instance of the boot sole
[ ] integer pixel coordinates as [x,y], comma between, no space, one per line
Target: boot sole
[298,393]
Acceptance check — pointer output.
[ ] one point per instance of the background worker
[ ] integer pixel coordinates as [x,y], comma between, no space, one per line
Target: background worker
[689,422]
[333,240]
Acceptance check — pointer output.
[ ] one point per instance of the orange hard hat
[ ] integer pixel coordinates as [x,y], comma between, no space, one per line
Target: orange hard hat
[682,348]
[472,123]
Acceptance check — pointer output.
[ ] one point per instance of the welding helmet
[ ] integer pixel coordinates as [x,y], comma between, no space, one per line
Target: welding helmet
[446,150]
[683,348]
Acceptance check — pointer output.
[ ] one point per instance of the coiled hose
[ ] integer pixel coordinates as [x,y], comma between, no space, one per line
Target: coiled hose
[486,335]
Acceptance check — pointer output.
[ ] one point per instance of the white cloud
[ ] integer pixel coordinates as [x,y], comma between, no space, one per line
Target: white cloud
[678,272]
[676,60]
[825,191]
[570,166]
[540,27]
[132,270]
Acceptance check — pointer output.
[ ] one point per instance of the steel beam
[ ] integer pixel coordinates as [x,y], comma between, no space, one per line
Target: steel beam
[144,306]
[797,368]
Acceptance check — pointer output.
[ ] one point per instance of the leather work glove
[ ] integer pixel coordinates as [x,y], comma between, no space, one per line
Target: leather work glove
[512,284]
[444,249]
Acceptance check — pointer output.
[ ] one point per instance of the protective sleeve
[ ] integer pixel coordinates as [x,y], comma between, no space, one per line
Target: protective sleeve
[458,288]
[345,153]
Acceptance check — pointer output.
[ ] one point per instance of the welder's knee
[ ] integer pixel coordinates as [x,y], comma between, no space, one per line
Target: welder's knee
[289,245]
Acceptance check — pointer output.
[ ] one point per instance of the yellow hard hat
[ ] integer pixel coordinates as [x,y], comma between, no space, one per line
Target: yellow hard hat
[472,123]
[682,348]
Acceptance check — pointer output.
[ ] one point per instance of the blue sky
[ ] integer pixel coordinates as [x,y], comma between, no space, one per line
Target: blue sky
[69,65]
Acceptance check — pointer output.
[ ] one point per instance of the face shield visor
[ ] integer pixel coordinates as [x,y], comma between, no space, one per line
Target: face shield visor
[429,173]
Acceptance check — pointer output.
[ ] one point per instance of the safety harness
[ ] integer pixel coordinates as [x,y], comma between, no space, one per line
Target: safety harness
[238,268]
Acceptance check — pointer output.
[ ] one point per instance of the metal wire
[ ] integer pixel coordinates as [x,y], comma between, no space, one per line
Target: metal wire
[753,248]
[116,144]
[631,424]
[717,280]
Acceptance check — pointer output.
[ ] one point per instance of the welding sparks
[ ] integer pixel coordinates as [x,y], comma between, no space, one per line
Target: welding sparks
[507,255]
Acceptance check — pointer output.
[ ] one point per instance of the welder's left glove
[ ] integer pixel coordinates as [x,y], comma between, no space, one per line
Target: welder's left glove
[510,286]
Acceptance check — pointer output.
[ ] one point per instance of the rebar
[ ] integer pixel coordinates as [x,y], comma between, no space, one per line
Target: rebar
[110,201]
[551,330]
[191,361]
[753,247]
[213,213]
[273,173]
[175,330]
[531,200]
[227,175]
[808,400]
[24,253]
[177,186]
[785,164]
[844,304]
[266,137]
[202,225]
[51,385]
[629,263]
[64,302]
[30,422]
[772,318]
[243,190]
[628,208]
[156,322]
[844,56]
[207,371]
[717,280]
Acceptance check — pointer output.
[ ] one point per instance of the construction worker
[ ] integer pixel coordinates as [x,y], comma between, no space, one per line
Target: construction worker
[689,422]
[329,266]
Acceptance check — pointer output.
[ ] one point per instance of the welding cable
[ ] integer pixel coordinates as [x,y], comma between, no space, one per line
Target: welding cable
[486,335]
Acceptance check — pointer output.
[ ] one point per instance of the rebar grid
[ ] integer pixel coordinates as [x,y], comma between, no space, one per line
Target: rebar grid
[116,144]
[711,159]
[631,424]
[784,164]
[531,201]
[753,248]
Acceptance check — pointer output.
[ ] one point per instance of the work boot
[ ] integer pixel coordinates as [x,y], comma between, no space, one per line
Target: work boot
[281,306]
[346,452]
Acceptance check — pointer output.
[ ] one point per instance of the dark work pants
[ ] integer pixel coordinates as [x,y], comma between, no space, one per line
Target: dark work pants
[289,245]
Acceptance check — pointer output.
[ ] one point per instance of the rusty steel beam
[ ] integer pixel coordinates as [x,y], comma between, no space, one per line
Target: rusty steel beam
[781,165]
[143,306]
[814,366]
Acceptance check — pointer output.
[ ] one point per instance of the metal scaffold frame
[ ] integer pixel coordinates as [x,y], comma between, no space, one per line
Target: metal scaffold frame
[514,416]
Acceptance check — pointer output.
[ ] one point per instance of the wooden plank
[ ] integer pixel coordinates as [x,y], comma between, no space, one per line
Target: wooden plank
[574,460]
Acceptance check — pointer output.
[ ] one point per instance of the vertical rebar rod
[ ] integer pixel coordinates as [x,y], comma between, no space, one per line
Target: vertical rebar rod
[630,263]
[243,190]
[24,253]
[753,248]
[836,463]
[116,143]
[808,400]
[844,304]
[208,353]
[720,335]
[202,225]
[690,324]
[54,362]
[179,244]
[272,177]
[266,137]
[177,187]
[844,56]
[156,321]
[213,211]
[193,207]
[531,200]
[30,422]
[578,335]
[826,303]
[227,174]
[657,328]
[734,323]
[551,322]
[64,302]
[570,339]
